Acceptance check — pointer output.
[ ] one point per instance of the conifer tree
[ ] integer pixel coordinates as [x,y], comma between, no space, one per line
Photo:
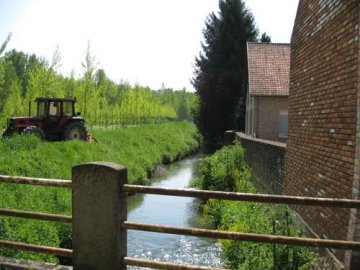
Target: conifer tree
[265,38]
[220,76]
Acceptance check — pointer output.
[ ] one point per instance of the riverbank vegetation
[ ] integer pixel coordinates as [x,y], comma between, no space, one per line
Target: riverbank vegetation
[139,148]
[227,170]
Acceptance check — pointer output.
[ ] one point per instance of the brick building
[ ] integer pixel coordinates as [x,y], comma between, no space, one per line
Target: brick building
[268,90]
[323,147]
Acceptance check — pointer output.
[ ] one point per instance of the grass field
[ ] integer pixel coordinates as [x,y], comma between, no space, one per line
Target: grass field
[137,148]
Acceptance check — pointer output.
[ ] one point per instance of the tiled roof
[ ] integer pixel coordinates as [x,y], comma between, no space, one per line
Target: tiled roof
[269,69]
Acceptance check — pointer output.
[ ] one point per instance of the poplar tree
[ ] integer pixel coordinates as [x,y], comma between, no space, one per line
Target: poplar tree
[220,75]
[10,87]
[3,95]
[88,91]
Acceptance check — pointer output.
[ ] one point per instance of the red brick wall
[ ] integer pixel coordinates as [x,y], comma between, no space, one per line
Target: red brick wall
[268,109]
[324,81]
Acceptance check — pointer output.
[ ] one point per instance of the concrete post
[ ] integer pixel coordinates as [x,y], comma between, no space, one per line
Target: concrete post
[99,208]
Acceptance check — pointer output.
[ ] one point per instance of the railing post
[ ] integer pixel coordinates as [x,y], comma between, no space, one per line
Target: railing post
[99,208]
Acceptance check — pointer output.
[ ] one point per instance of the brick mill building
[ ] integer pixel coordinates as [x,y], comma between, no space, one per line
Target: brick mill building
[323,147]
[268,90]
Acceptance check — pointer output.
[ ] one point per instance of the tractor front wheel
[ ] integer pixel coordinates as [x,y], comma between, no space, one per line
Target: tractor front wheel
[38,132]
[7,133]
[75,131]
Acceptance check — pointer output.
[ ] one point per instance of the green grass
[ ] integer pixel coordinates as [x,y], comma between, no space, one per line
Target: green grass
[137,148]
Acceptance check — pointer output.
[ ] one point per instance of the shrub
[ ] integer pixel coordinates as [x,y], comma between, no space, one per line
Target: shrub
[227,170]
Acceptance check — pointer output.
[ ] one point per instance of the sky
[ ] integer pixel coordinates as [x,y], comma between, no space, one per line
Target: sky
[148,42]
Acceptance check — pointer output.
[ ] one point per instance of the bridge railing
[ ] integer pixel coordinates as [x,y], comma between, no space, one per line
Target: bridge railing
[99,220]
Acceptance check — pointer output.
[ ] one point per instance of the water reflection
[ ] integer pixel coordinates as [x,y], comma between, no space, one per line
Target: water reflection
[174,211]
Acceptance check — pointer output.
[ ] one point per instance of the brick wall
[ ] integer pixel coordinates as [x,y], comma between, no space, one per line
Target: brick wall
[323,104]
[267,160]
[268,109]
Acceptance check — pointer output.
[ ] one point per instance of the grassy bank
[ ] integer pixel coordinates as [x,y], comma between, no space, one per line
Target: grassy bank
[137,148]
[227,170]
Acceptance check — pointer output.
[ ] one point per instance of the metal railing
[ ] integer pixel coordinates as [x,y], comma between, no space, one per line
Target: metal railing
[110,180]
[35,215]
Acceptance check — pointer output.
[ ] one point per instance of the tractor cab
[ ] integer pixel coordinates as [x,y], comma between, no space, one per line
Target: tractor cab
[55,120]
[55,114]
[55,107]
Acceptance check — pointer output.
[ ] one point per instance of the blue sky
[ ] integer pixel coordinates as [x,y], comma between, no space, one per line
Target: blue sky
[149,42]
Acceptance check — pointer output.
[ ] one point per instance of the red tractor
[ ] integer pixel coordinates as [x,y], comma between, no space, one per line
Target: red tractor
[55,120]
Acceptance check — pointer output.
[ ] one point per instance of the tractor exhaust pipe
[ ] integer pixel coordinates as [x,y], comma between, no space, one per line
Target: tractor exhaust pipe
[29,108]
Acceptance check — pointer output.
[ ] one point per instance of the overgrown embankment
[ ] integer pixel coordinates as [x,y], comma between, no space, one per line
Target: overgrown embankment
[137,148]
[227,170]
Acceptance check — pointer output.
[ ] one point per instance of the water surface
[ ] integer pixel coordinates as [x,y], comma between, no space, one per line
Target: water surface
[173,211]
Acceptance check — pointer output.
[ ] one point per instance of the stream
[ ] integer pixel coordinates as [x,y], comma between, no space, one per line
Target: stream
[173,211]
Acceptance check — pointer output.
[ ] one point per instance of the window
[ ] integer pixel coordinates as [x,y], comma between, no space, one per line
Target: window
[68,108]
[41,109]
[283,124]
[54,109]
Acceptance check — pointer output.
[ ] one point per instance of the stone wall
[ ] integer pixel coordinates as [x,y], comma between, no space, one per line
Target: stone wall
[267,160]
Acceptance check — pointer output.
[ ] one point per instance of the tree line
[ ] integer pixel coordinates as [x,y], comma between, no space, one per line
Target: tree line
[220,80]
[102,102]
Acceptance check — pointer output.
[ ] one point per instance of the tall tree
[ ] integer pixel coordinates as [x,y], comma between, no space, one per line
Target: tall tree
[24,64]
[5,43]
[10,81]
[88,78]
[56,59]
[2,70]
[265,38]
[220,76]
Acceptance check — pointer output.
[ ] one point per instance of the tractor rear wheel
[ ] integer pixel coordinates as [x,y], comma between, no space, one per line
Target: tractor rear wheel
[75,131]
[38,132]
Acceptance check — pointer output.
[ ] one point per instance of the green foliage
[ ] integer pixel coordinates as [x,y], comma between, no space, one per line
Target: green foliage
[4,44]
[226,170]
[138,148]
[101,101]
[265,38]
[220,76]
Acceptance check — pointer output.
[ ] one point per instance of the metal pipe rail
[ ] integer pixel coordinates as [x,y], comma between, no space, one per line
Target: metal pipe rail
[35,215]
[35,181]
[36,248]
[89,172]
[249,197]
[164,265]
[249,237]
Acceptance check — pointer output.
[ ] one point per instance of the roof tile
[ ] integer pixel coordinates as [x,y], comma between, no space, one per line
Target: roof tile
[269,69]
